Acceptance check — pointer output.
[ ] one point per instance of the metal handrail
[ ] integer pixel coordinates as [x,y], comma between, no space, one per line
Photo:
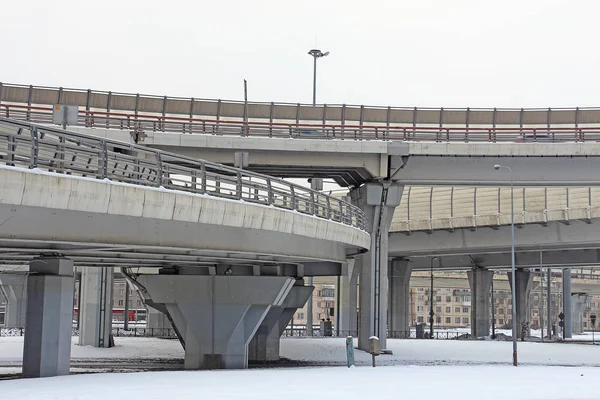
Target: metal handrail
[55,150]
[189,125]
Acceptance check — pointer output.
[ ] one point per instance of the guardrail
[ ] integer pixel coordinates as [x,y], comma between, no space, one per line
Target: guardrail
[342,114]
[188,125]
[35,146]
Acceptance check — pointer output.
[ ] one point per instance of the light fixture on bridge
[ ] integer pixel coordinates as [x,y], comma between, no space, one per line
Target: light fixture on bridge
[316,53]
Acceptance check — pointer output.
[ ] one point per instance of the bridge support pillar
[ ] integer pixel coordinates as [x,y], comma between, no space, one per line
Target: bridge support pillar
[480,282]
[399,287]
[349,300]
[96,306]
[47,347]
[378,201]
[579,302]
[567,308]
[216,316]
[264,346]
[523,280]
[15,287]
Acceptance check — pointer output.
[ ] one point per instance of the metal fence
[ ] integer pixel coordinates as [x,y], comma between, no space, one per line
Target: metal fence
[193,125]
[35,146]
[170,333]
[167,333]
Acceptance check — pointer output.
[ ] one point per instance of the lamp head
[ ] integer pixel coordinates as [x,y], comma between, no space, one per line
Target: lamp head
[497,167]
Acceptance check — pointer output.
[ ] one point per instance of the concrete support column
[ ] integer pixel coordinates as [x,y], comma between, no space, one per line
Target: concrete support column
[480,282]
[567,308]
[96,306]
[47,347]
[399,302]
[378,201]
[264,346]
[579,302]
[15,288]
[523,280]
[349,300]
[216,316]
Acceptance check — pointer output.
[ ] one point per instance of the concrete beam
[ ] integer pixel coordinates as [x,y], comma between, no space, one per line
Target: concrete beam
[554,235]
[443,164]
[523,259]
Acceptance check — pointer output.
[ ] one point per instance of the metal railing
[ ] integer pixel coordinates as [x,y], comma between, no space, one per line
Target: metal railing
[342,114]
[165,333]
[35,146]
[190,125]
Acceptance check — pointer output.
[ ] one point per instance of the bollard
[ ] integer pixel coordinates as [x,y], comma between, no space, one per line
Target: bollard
[374,348]
[350,351]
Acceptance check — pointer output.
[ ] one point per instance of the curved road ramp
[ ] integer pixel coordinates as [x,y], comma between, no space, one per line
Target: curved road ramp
[219,250]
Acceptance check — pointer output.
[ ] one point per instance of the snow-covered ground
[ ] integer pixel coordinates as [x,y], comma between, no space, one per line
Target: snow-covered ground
[449,369]
[408,382]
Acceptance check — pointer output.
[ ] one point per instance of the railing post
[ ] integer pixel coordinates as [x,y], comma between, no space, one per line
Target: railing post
[203,177]
[33,162]
[159,169]
[351,217]
[328,207]
[293,200]
[312,203]
[194,185]
[271,197]
[104,159]
[239,187]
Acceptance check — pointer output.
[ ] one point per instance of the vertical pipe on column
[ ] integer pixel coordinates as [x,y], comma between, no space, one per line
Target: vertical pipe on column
[541,303]
[337,306]
[126,312]
[309,310]
[78,301]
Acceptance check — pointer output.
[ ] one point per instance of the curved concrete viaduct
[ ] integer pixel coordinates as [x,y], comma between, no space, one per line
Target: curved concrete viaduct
[229,248]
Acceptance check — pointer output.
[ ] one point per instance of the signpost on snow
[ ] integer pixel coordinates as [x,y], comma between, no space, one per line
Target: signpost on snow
[350,351]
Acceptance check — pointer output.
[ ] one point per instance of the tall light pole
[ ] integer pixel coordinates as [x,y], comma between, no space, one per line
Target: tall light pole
[512,259]
[431,313]
[309,308]
[316,54]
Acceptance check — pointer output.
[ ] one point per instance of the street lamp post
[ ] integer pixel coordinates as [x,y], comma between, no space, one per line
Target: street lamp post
[431,313]
[315,53]
[512,259]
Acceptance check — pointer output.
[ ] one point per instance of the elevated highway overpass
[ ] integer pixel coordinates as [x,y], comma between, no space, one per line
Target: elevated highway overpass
[382,154]
[228,247]
[352,145]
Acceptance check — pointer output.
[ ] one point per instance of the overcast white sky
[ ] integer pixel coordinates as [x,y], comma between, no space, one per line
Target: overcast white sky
[404,53]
